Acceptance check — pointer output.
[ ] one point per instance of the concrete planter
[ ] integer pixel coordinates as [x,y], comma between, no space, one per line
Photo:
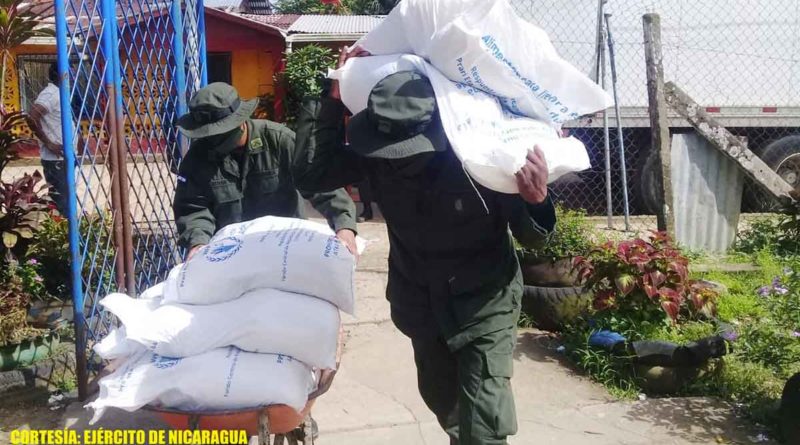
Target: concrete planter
[26,353]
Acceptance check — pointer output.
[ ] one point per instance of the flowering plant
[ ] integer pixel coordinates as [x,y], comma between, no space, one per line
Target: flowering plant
[644,279]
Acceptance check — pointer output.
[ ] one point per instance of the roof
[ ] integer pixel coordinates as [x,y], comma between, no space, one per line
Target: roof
[251,21]
[222,4]
[335,24]
[282,21]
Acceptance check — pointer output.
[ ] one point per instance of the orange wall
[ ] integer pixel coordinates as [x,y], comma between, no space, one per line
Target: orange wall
[255,55]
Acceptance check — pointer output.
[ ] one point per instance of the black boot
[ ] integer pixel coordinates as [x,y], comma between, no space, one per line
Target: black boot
[366,215]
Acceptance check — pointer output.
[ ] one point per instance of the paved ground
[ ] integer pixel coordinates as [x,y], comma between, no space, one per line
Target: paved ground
[374,398]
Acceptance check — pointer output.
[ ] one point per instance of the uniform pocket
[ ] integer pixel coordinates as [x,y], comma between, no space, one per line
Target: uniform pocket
[225,192]
[500,368]
[263,183]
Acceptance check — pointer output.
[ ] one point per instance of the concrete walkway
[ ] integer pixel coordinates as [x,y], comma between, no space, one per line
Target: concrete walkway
[374,398]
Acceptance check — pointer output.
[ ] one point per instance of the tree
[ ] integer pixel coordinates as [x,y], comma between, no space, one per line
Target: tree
[342,7]
[18,23]
[303,75]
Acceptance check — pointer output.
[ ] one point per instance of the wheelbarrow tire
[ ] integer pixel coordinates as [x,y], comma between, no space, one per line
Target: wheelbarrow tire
[308,431]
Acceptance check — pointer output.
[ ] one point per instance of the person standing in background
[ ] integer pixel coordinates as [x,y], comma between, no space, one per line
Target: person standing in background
[45,122]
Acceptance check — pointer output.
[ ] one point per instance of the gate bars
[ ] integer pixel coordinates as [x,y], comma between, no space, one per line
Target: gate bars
[127,69]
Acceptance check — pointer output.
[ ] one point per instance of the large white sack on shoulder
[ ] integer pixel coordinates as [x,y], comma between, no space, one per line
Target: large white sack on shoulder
[289,254]
[491,142]
[485,45]
[222,379]
[263,320]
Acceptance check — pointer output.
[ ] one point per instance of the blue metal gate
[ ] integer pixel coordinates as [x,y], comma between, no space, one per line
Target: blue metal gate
[127,70]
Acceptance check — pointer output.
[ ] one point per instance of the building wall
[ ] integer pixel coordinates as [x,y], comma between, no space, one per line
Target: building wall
[254,55]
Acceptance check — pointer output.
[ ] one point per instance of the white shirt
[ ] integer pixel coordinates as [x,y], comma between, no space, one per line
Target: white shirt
[50,123]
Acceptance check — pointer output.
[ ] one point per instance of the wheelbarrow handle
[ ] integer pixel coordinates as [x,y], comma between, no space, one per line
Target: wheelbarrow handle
[325,382]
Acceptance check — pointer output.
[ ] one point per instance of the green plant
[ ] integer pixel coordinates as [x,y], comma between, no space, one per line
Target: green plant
[778,233]
[358,7]
[66,384]
[572,237]
[645,281]
[303,75]
[23,207]
[27,276]
[14,302]
[18,23]
[8,137]
[51,248]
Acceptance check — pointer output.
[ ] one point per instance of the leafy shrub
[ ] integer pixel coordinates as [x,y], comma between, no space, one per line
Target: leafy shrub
[23,207]
[8,137]
[644,280]
[572,237]
[14,302]
[305,69]
[51,250]
[779,234]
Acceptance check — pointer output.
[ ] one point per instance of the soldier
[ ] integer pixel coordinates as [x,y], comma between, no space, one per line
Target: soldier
[238,169]
[454,281]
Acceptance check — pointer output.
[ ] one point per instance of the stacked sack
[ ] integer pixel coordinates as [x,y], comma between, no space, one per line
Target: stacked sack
[246,322]
[500,85]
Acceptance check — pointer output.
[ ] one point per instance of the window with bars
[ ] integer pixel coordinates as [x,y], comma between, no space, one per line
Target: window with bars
[32,74]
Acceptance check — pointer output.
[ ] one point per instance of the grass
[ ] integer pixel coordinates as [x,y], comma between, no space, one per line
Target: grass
[761,360]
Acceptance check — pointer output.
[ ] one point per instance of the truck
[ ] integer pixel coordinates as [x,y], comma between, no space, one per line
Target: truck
[740,59]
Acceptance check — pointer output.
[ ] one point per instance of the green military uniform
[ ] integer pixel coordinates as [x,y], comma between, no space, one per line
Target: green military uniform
[454,281]
[218,185]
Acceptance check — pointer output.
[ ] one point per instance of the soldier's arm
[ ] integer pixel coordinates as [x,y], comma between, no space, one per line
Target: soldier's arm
[321,162]
[531,224]
[192,208]
[336,205]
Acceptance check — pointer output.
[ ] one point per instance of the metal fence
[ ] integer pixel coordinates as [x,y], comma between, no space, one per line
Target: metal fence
[127,69]
[738,58]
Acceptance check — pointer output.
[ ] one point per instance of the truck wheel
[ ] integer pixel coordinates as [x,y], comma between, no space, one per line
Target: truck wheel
[783,156]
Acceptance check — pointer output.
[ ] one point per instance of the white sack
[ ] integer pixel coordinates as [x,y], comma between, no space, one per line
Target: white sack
[222,379]
[288,254]
[485,45]
[117,345]
[490,141]
[263,320]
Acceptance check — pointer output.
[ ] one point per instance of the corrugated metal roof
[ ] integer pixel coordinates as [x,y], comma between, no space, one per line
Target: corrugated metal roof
[223,4]
[282,21]
[335,24]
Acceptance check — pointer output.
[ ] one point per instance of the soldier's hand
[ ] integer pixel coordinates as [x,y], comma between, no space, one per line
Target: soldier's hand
[345,53]
[193,251]
[532,177]
[348,238]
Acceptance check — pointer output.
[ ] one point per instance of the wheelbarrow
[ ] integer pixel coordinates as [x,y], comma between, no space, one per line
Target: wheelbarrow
[282,422]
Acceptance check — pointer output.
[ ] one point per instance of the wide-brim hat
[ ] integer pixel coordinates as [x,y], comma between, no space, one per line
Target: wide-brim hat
[401,119]
[215,109]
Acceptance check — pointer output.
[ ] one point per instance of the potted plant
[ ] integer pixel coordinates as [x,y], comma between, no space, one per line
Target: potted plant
[552,294]
[640,288]
[21,344]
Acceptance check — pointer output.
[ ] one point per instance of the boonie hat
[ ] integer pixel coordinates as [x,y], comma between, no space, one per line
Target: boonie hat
[215,109]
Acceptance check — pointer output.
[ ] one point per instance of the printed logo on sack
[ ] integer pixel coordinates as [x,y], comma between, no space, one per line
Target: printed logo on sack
[162,362]
[223,249]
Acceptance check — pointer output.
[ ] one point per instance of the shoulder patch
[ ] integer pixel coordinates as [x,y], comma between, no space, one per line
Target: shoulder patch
[256,143]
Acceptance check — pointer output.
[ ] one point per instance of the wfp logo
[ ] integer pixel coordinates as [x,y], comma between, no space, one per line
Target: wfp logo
[162,362]
[223,249]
